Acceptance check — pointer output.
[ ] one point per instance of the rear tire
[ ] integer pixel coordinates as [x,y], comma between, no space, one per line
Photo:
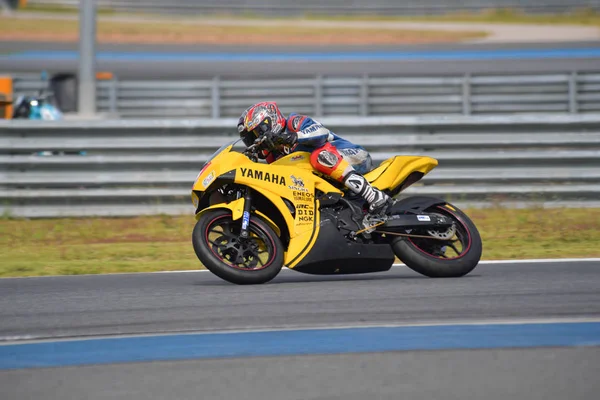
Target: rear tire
[427,256]
[218,246]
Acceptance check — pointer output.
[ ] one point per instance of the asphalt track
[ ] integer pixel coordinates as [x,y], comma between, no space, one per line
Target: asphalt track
[199,62]
[535,335]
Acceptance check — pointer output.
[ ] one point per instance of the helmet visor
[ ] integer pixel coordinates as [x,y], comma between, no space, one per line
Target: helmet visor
[261,129]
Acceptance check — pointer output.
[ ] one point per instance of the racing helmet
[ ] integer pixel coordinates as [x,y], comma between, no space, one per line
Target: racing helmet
[262,118]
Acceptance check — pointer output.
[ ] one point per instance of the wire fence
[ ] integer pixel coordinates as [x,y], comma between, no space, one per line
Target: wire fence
[364,96]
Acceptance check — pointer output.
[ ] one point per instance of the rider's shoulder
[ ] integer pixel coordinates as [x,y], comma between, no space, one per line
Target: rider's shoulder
[298,122]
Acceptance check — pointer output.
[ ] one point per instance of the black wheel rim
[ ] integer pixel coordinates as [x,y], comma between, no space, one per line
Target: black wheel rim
[250,254]
[451,249]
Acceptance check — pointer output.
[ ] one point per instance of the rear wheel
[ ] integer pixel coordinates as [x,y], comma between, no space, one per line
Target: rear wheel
[218,245]
[452,252]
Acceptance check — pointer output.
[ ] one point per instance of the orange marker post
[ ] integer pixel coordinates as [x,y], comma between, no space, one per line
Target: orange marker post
[6,92]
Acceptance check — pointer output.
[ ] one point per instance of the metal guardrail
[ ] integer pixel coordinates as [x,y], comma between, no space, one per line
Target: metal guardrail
[363,96]
[138,167]
[291,7]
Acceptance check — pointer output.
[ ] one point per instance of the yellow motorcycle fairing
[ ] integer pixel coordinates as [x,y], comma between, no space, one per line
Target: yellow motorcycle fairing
[394,171]
[292,178]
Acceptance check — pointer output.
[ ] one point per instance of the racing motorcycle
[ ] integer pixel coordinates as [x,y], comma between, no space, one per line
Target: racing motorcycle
[253,218]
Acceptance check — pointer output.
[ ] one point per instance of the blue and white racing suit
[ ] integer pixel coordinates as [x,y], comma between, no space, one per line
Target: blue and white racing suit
[313,135]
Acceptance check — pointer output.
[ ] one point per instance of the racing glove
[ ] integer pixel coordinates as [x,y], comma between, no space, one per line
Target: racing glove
[284,142]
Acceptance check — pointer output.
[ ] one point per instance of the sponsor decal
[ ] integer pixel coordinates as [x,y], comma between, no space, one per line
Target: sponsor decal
[356,183]
[209,179]
[246,220]
[297,184]
[297,181]
[350,151]
[423,218]
[312,129]
[304,196]
[297,157]
[263,176]
[304,213]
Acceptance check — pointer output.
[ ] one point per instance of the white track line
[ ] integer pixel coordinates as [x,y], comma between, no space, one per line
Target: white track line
[540,261]
[532,261]
[9,340]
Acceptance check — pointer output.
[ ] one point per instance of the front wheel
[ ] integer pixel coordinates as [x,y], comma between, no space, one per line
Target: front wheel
[453,252]
[218,245]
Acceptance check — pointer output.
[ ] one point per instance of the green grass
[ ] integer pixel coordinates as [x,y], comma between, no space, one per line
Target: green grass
[582,16]
[97,245]
[169,32]
[60,9]
[144,244]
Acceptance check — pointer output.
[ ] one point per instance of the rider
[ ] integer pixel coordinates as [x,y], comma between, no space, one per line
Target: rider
[330,154]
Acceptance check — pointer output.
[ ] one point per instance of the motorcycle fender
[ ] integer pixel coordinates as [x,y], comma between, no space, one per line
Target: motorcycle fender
[236,207]
[237,210]
[415,204]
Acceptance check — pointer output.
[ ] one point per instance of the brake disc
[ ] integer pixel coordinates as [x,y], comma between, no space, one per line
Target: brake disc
[444,235]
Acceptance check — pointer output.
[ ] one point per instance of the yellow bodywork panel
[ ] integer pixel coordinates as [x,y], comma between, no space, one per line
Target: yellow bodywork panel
[300,159]
[393,171]
[301,245]
[236,207]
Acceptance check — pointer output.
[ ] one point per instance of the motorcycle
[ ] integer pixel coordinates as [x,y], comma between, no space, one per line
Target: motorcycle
[253,218]
[36,108]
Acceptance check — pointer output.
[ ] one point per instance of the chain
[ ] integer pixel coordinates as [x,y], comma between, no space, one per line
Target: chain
[370,227]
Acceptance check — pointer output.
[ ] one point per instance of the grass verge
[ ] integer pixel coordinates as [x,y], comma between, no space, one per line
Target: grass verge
[61,9]
[505,15]
[162,243]
[52,30]
[582,16]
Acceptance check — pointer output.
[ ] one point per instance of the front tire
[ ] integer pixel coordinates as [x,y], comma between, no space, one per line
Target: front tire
[217,243]
[434,258]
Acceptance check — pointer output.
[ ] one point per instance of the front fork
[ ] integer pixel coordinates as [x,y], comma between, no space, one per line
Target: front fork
[246,215]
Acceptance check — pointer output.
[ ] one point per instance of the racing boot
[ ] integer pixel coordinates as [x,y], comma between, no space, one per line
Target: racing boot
[378,201]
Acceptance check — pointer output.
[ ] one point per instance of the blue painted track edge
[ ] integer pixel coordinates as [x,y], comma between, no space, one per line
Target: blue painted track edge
[503,54]
[297,342]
